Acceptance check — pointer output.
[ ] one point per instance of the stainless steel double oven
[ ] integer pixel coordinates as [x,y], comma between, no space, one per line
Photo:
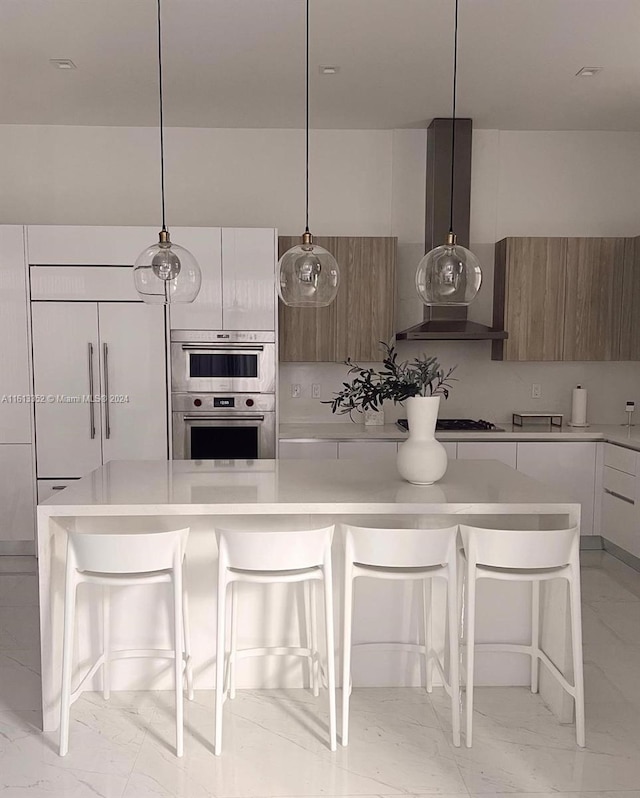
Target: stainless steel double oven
[223,394]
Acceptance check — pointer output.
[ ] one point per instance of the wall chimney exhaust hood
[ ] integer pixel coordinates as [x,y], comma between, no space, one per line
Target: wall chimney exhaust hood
[448,322]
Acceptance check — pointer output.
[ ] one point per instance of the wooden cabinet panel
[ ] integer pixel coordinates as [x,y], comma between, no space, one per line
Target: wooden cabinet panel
[311,334]
[630,315]
[362,314]
[593,298]
[529,298]
[370,282]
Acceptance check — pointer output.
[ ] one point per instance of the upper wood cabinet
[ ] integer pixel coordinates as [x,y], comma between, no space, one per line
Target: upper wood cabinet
[562,299]
[593,297]
[362,314]
[529,298]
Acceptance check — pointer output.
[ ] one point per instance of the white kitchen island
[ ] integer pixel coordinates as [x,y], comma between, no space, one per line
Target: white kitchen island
[294,493]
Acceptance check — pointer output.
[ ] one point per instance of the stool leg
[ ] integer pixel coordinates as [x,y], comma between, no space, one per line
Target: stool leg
[67,661]
[220,661]
[347,621]
[179,659]
[535,634]
[576,645]
[331,665]
[454,655]
[106,642]
[233,646]
[314,638]
[308,637]
[470,629]
[427,599]
[186,628]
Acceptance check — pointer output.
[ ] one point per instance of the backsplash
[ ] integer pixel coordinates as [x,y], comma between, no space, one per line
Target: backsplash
[486,389]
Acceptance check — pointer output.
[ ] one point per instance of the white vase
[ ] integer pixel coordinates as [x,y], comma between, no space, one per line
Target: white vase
[422,460]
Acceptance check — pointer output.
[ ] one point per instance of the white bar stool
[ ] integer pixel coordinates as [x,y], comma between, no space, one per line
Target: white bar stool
[532,556]
[405,554]
[115,560]
[268,557]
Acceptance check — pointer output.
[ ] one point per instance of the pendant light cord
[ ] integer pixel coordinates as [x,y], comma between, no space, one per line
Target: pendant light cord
[164,226]
[307,129]
[453,113]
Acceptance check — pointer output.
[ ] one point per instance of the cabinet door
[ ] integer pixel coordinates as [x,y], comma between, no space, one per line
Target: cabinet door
[310,335]
[16,492]
[52,487]
[86,245]
[368,450]
[368,316]
[15,415]
[620,523]
[205,312]
[133,381]
[593,298]
[569,467]
[248,279]
[529,298]
[65,358]
[630,322]
[503,451]
[308,450]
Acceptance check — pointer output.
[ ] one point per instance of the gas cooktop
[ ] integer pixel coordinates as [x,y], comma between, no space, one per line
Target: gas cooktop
[456,424]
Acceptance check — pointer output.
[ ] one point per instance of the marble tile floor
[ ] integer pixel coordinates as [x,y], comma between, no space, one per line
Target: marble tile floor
[275,740]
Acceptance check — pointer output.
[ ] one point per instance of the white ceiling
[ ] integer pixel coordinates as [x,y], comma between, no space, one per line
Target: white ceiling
[240,63]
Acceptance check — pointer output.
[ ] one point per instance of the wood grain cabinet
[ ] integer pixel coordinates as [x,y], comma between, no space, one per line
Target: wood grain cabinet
[567,299]
[362,314]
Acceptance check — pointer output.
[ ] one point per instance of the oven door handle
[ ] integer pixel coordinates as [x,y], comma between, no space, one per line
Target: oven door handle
[223,418]
[225,347]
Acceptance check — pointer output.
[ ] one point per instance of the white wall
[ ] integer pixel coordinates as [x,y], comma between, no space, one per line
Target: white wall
[362,183]
[251,178]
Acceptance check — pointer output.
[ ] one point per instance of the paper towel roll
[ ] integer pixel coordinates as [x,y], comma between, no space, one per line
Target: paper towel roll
[579,407]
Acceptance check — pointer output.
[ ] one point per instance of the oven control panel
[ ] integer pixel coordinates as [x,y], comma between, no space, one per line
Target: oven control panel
[221,402]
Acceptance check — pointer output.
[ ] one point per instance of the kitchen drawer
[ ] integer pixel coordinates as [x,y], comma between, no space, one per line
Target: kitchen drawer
[52,487]
[617,482]
[365,450]
[308,450]
[620,523]
[620,458]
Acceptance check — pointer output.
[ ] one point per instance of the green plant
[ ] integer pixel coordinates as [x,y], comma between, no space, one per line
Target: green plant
[395,381]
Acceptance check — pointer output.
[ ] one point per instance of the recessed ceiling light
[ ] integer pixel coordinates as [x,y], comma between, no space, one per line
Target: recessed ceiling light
[329,69]
[62,63]
[588,72]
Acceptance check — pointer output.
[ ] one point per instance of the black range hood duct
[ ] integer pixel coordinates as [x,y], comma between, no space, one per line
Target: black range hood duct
[448,322]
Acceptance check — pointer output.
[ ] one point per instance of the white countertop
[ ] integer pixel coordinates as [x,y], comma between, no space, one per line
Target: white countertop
[328,431]
[241,487]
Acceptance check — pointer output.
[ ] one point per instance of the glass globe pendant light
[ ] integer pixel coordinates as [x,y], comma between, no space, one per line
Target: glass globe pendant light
[308,274]
[449,274]
[165,273]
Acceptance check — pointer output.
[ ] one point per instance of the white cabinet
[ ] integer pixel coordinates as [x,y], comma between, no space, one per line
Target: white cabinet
[451,448]
[205,312]
[620,523]
[133,373]
[566,466]
[66,374]
[308,450]
[505,451]
[368,450]
[87,245]
[248,278]
[71,365]
[17,520]
[15,413]
[238,280]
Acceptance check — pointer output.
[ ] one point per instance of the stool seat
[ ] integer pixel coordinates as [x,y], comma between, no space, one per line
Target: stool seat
[269,557]
[120,560]
[532,556]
